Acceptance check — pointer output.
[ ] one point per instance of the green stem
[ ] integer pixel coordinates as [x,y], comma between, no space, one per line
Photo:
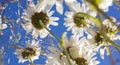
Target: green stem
[31,61]
[63,48]
[108,39]
[65,51]
[100,11]
[50,31]
[111,57]
[117,2]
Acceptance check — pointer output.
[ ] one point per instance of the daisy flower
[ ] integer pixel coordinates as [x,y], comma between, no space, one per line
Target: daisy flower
[2,25]
[79,51]
[99,41]
[76,22]
[102,4]
[36,13]
[30,53]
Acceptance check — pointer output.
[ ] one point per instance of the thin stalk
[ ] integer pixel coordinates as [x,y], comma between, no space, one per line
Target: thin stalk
[111,56]
[117,2]
[67,55]
[50,32]
[32,63]
[118,50]
[108,39]
[64,50]
[104,14]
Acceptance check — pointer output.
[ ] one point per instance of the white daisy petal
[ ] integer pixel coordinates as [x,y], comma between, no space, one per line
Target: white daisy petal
[3,26]
[73,7]
[59,7]
[35,33]
[41,5]
[103,4]
[54,23]
[54,18]
[102,52]
[43,33]
[69,14]
[51,13]
[27,27]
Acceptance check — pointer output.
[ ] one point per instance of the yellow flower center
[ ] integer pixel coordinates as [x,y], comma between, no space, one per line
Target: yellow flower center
[28,52]
[97,2]
[81,61]
[108,29]
[37,17]
[98,39]
[79,20]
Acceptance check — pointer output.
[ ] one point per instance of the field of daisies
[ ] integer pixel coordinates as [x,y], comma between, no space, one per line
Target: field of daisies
[59,32]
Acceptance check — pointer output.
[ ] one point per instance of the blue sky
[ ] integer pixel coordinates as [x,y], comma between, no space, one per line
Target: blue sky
[10,10]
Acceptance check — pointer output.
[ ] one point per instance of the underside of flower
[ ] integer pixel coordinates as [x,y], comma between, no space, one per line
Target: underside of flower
[37,17]
[28,52]
[78,60]
[79,20]
[81,61]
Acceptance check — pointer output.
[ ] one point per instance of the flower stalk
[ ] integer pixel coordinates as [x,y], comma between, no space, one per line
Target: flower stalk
[100,11]
[117,2]
[61,42]
[32,63]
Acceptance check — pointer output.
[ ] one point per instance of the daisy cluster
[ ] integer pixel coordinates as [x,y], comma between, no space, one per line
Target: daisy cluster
[89,31]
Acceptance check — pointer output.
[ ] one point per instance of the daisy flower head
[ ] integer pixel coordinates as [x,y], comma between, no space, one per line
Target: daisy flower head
[79,51]
[109,28]
[36,13]
[2,25]
[74,20]
[102,4]
[30,53]
[99,42]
